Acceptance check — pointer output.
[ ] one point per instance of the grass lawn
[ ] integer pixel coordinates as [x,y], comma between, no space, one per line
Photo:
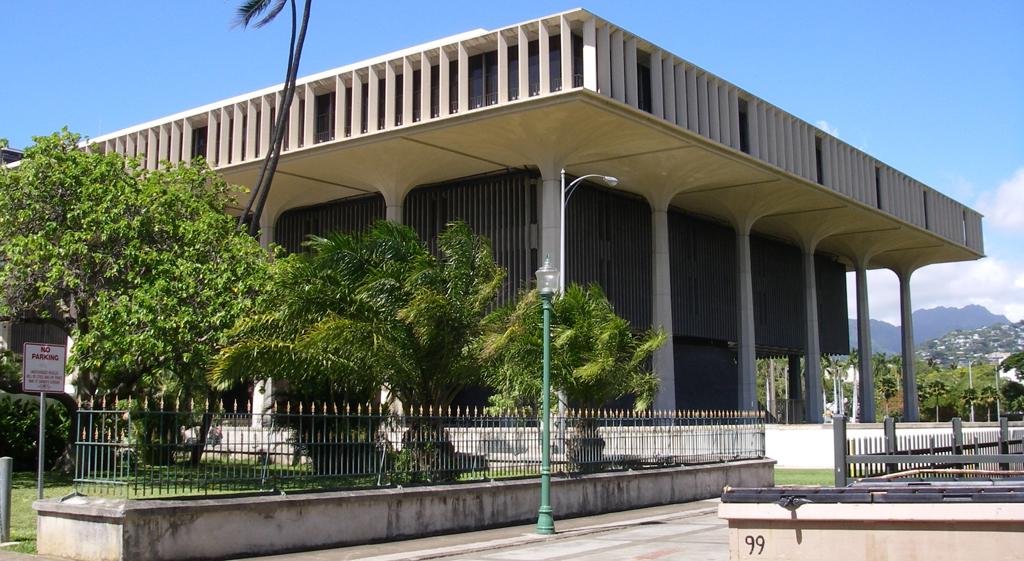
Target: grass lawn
[823,477]
[23,518]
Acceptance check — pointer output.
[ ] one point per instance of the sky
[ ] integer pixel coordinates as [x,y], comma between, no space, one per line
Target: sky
[932,88]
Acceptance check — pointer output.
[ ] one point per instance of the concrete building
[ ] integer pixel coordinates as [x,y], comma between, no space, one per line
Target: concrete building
[732,224]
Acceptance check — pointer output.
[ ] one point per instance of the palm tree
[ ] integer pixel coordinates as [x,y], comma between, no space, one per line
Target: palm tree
[933,389]
[259,13]
[374,309]
[596,358]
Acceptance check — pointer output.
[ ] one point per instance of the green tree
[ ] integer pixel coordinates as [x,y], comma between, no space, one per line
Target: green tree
[887,372]
[934,389]
[1014,362]
[259,13]
[364,310]
[143,269]
[596,357]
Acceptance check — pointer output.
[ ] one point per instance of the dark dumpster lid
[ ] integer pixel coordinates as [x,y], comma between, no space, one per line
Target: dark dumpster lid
[909,490]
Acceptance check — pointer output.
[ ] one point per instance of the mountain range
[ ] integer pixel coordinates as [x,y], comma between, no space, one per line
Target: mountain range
[928,324]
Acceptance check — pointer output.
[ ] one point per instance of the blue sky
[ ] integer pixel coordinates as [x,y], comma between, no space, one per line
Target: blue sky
[934,89]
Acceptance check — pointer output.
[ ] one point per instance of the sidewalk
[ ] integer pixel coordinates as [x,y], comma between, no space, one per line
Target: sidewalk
[683,532]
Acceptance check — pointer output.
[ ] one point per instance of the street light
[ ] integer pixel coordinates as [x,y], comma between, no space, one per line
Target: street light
[567,192]
[547,283]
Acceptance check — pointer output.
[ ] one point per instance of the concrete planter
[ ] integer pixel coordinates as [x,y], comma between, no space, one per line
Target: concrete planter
[92,529]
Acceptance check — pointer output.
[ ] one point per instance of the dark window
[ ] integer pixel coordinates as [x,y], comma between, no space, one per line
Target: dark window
[259,127]
[513,73]
[216,147]
[533,52]
[364,112]
[453,87]
[348,111]
[555,62]
[324,109]
[744,127]
[878,187]
[643,88]
[199,143]
[381,102]
[399,98]
[577,61]
[417,95]
[435,95]
[231,138]
[818,167]
[302,122]
[245,131]
[483,79]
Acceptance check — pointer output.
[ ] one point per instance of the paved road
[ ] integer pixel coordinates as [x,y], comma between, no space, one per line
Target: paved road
[684,532]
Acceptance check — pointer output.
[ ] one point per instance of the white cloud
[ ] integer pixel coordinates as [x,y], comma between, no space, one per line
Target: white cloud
[825,127]
[1004,209]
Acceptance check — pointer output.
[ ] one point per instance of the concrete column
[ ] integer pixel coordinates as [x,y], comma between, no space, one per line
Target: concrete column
[372,103]
[867,374]
[565,37]
[590,55]
[502,68]
[463,83]
[618,67]
[339,107]
[175,155]
[186,140]
[357,104]
[443,81]
[714,111]
[746,360]
[668,93]
[544,64]
[604,59]
[734,119]
[425,87]
[692,98]
[812,347]
[165,143]
[389,95]
[266,125]
[393,212]
[222,146]
[152,150]
[657,86]
[524,63]
[664,357]
[550,214]
[250,130]
[294,118]
[629,51]
[236,134]
[407,90]
[911,409]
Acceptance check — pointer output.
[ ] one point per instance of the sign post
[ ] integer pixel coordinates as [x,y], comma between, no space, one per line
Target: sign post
[43,371]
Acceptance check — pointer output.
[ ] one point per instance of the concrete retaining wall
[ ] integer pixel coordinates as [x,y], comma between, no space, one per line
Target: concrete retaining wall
[92,529]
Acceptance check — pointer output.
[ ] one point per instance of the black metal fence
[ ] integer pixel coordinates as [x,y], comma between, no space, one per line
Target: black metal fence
[988,451]
[167,453]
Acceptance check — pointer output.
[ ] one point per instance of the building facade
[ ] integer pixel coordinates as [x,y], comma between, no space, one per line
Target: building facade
[732,224]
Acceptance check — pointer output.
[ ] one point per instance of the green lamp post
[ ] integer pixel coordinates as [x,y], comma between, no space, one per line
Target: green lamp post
[547,283]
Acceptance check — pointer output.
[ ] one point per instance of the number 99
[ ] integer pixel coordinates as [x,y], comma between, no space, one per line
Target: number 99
[755,542]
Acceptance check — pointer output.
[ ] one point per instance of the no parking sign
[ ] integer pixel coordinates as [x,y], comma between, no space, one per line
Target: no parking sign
[43,367]
[43,371]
